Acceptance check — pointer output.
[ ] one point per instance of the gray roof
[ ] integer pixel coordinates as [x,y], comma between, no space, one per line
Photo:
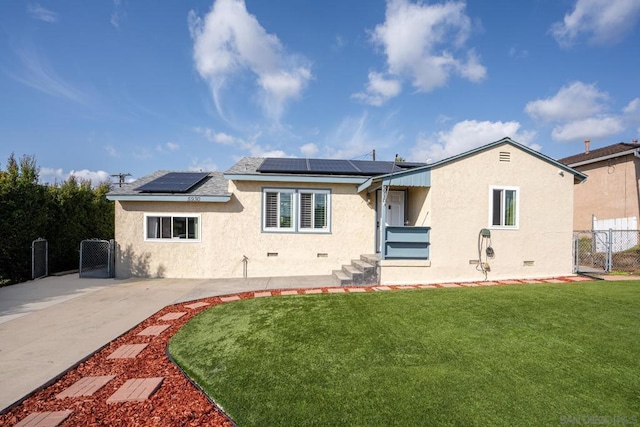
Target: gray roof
[246,166]
[213,185]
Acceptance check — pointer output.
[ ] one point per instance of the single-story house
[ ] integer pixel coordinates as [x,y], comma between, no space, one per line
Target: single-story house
[610,198]
[499,211]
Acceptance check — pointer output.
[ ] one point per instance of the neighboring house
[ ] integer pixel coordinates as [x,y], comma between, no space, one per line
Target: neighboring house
[283,217]
[611,192]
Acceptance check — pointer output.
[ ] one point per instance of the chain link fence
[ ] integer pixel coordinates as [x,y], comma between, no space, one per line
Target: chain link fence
[599,251]
[97,258]
[39,258]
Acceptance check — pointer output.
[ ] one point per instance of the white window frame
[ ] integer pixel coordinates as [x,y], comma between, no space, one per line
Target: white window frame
[312,229]
[278,228]
[296,210]
[172,216]
[504,188]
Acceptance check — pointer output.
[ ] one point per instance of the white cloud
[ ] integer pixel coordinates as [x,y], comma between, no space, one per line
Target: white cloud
[422,41]
[600,21]
[38,74]
[112,151]
[58,176]
[581,111]
[309,150]
[591,128]
[574,101]
[168,146]
[632,107]
[229,41]
[379,90]
[204,165]
[118,14]
[251,146]
[38,12]
[467,135]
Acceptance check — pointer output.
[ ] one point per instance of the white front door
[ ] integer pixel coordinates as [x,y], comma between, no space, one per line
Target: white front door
[394,215]
[395,209]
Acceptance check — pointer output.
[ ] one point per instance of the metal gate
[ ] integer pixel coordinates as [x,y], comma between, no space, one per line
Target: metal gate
[39,258]
[601,251]
[97,258]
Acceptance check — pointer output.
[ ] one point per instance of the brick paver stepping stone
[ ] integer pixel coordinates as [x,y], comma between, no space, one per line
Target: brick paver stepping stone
[289,293]
[154,330]
[533,281]
[313,291]
[554,281]
[449,285]
[382,288]
[509,282]
[427,286]
[173,316]
[197,305]
[44,419]
[85,386]
[335,290]
[472,284]
[262,294]
[579,279]
[487,283]
[127,351]
[357,290]
[136,390]
[230,299]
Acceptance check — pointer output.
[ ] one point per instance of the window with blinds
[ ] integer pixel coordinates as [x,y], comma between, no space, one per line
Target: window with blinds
[172,227]
[296,210]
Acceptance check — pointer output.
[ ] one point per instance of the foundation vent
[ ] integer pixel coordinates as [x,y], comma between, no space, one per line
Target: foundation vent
[505,156]
[322,255]
[529,263]
[272,254]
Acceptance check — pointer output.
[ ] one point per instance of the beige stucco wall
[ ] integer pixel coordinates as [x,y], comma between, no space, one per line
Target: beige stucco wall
[232,230]
[460,201]
[610,192]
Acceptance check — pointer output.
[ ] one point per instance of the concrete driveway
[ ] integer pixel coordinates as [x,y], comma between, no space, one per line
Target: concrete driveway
[48,325]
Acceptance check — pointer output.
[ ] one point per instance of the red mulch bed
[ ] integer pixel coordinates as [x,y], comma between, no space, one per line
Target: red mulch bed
[176,403]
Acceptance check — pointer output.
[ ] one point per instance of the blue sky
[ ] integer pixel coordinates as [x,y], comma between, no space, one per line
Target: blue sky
[103,87]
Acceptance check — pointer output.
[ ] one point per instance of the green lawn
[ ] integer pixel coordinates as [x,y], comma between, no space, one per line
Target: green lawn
[510,355]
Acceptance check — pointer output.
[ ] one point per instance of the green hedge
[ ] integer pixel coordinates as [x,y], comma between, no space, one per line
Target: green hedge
[64,214]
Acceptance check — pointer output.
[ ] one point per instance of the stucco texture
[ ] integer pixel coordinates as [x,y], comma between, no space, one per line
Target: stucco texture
[232,230]
[459,201]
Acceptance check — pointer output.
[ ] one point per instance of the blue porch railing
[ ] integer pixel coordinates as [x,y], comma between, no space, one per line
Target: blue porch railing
[406,243]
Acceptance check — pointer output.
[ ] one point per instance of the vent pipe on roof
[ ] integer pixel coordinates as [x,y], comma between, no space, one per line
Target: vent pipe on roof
[635,141]
[586,146]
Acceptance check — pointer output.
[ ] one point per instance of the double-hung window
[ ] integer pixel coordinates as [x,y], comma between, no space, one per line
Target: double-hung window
[296,210]
[278,210]
[313,210]
[166,226]
[504,203]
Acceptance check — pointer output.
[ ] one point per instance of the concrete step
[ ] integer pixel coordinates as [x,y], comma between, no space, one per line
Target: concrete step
[342,278]
[363,266]
[370,258]
[353,273]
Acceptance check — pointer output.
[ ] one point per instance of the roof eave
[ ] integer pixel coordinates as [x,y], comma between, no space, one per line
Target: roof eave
[324,179]
[602,158]
[146,197]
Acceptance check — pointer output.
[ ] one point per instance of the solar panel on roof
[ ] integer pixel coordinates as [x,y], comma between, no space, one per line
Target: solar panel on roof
[283,165]
[368,167]
[173,182]
[331,166]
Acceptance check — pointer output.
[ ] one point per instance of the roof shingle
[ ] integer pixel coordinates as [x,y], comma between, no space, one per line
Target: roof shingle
[609,150]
